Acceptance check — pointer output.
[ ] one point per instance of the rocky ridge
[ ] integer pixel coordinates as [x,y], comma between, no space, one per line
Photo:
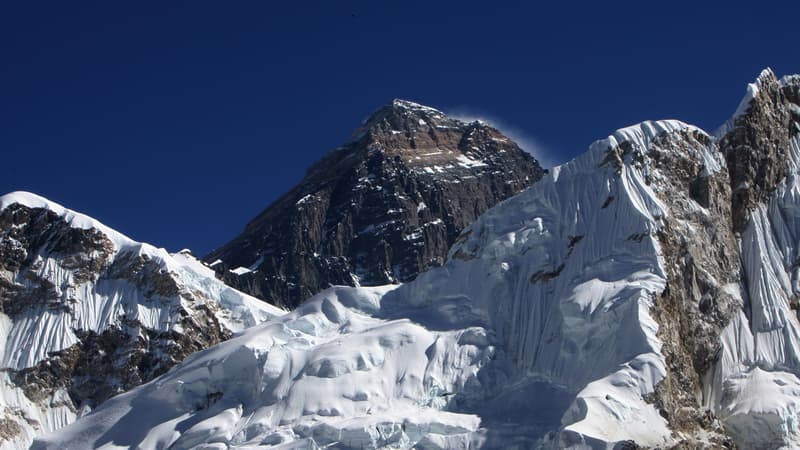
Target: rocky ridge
[88,313]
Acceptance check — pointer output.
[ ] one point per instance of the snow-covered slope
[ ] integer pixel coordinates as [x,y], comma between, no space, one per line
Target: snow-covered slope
[642,293]
[88,313]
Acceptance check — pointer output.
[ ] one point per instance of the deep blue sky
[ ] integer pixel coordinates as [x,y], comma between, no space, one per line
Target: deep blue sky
[177,122]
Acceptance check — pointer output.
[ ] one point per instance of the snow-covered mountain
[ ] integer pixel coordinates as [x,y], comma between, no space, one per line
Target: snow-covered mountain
[380,209]
[645,293]
[88,313]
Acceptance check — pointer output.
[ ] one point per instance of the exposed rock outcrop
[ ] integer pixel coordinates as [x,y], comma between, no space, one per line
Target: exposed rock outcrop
[757,145]
[711,202]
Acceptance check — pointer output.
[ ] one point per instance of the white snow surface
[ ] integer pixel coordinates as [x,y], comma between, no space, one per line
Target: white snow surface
[97,305]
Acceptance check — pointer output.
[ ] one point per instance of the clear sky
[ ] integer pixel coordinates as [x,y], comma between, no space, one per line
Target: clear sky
[177,122]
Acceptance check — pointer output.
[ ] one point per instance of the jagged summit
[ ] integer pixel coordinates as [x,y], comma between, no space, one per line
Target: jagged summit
[764,80]
[757,139]
[380,209]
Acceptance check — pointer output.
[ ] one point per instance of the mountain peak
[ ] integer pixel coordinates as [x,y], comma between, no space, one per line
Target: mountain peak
[423,136]
[379,209]
[764,81]
[766,75]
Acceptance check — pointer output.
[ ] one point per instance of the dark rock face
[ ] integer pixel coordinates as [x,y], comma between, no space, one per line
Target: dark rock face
[701,247]
[381,209]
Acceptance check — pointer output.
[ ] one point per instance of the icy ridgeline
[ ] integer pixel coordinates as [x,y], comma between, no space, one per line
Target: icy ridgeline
[88,313]
[642,292]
